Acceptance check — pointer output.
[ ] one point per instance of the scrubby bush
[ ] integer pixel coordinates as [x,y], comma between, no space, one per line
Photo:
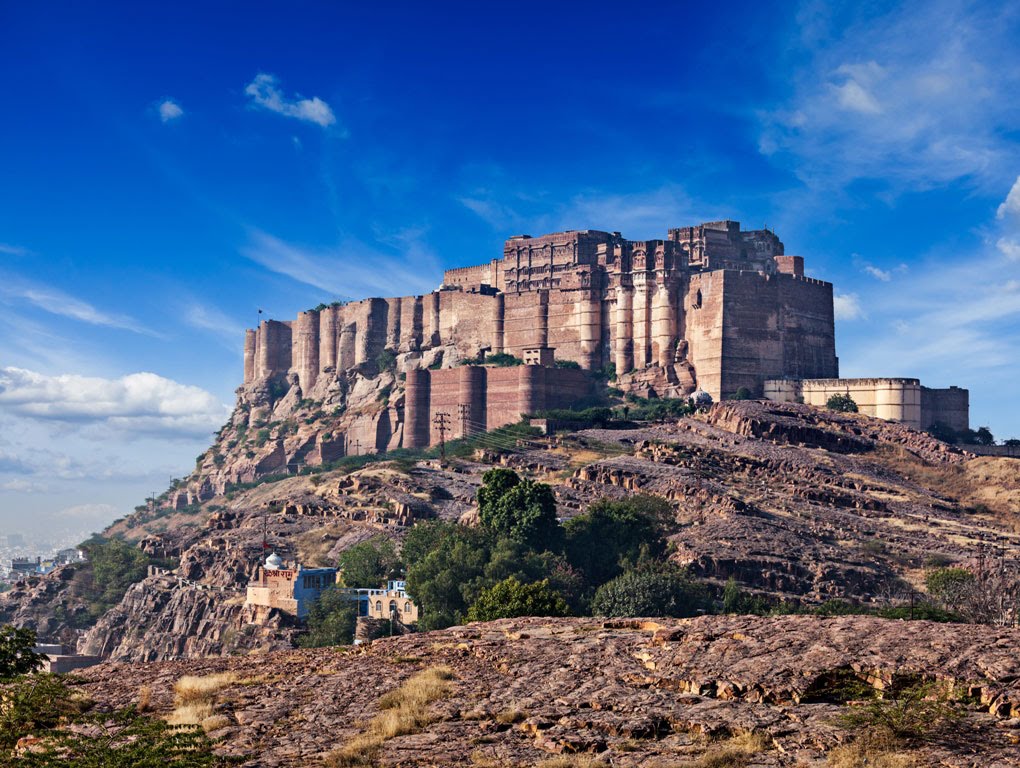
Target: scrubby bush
[522,510]
[664,590]
[510,598]
[743,393]
[841,403]
[330,621]
[16,654]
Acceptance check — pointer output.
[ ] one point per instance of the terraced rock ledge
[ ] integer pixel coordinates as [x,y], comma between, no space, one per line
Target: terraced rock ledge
[628,692]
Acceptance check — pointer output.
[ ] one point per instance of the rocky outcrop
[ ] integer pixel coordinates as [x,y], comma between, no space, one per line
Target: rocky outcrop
[631,692]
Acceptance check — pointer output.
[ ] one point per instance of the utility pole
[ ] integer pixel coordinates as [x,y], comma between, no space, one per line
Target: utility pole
[464,426]
[441,420]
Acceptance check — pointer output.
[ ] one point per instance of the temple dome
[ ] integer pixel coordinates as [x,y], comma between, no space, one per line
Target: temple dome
[274,562]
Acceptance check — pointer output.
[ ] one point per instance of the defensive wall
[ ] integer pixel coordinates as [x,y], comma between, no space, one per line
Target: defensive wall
[475,399]
[902,400]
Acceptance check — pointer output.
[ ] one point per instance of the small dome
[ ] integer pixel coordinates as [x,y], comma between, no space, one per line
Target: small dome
[701,398]
[274,562]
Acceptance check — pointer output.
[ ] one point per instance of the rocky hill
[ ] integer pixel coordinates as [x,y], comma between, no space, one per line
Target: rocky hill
[583,692]
[795,503]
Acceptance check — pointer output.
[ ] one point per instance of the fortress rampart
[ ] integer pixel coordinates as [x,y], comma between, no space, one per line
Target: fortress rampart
[727,303]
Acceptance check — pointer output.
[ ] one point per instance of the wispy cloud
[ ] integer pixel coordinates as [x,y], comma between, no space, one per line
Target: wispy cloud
[877,100]
[13,250]
[350,270]
[57,302]
[139,403]
[646,214]
[879,274]
[211,319]
[170,110]
[847,306]
[264,92]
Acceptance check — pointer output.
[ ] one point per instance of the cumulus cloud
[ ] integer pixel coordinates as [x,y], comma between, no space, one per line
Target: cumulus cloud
[142,403]
[264,92]
[847,306]
[1010,208]
[1009,248]
[170,110]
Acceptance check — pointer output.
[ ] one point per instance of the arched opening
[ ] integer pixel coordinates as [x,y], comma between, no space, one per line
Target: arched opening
[697,300]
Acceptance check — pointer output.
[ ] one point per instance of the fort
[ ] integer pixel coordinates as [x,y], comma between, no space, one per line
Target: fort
[710,307]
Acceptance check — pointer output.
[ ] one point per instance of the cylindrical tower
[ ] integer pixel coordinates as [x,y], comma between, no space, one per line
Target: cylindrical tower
[328,338]
[305,349]
[499,317]
[416,408]
[470,401]
[249,356]
[664,317]
[588,311]
[624,351]
[532,388]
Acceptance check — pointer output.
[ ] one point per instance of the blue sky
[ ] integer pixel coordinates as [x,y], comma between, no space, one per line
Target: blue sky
[165,172]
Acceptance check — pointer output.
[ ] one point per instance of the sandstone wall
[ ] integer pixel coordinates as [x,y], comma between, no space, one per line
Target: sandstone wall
[949,406]
[480,398]
[890,399]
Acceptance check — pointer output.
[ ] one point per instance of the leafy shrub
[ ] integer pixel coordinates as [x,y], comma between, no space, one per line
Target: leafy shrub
[503,360]
[912,713]
[662,591]
[368,564]
[743,393]
[570,364]
[261,437]
[510,598]
[330,621]
[841,403]
[386,360]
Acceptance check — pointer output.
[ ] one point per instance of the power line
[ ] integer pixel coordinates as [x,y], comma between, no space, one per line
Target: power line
[441,420]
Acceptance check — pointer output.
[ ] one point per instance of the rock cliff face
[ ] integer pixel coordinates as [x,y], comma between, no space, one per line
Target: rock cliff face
[626,692]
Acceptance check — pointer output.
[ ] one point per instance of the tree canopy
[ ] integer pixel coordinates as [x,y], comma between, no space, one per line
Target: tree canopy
[16,654]
[369,564]
[510,598]
[662,591]
[522,510]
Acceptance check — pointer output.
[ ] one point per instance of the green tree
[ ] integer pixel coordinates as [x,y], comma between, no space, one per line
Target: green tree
[611,535]
[33,703]
[368,564]
[950,586]
[442,581]
[662,591]
[841,403]
[423,538]
[743,393]
[509,598]
[736,600]
[522,510]
[116,565]
[331,620]
[984,436]
[16,654]
[943,432]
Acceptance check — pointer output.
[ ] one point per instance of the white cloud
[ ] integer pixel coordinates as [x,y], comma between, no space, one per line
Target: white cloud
[264,92]
[847,306]
[351,270]
[1011,205]
[23,485]
[141,403]
[92,512]
[13,250]
[879,274]
[923,110]
[170,110]
[1009,248]
[57,302]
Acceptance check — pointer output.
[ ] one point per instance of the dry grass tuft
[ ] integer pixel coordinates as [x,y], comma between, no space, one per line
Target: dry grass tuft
[144,698]
[196,698]
[735,752]
[191,714]
[191,688]
[869,753]
[510,716]
[403,711]
[215,722]
[572,761]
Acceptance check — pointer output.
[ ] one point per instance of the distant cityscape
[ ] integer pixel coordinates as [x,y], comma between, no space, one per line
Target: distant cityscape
[28,555]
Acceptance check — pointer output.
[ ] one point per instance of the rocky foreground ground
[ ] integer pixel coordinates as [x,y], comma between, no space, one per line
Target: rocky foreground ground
[565,692]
